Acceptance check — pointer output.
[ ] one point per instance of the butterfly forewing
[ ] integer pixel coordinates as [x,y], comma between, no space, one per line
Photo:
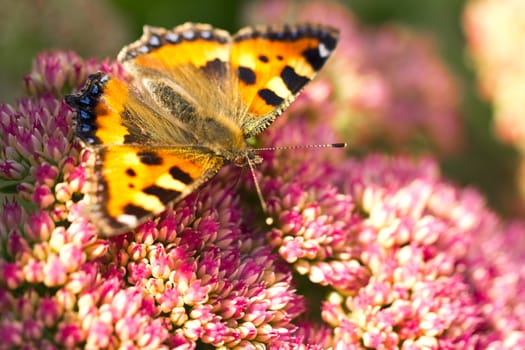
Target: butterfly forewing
[273,65]
[109,112]
[182,55]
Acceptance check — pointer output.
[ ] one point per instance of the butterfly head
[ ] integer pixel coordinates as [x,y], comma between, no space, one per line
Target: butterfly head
[247,158]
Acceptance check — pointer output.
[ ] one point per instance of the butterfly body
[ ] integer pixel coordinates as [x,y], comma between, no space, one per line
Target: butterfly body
[193,96]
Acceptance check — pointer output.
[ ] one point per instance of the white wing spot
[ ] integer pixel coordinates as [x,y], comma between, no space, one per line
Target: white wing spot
[128,220]
[143,49]
[189,34]
[154,41]
[173,37]
[323,50]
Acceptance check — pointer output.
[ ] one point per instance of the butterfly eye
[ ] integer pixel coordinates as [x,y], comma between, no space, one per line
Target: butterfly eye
[254,158]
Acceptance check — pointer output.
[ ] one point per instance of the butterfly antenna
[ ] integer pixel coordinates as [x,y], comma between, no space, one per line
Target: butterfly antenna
[264,207]
[322,145]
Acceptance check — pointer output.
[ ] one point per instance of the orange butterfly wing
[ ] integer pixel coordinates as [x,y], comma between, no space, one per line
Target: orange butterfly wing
[274,63]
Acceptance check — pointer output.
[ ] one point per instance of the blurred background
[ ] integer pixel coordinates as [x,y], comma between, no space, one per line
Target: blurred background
[436,77]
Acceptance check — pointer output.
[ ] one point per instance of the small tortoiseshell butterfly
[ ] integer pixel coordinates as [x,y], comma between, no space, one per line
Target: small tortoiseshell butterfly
[195,95]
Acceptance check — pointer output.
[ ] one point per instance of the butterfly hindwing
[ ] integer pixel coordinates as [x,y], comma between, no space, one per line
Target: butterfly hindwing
[131,183]
[274,63]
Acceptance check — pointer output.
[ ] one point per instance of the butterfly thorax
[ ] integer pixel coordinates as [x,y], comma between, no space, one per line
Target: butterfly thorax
[222,136]
[225,138]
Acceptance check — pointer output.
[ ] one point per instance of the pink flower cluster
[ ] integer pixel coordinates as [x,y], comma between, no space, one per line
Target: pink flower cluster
[397,257]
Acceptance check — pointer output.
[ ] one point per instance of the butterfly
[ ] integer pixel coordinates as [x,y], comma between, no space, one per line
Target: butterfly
[193,96]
